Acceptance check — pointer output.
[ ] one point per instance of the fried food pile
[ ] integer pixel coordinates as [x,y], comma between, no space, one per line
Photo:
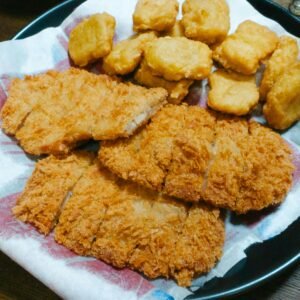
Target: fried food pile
[120,207]
[95,213]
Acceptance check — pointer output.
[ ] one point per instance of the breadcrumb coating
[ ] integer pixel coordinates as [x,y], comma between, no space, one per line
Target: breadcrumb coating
[282,108]
[45,192]
[158,15]
[244,50]
[193,154]
[92,39]
[74,106]
[282,58]
[206,20]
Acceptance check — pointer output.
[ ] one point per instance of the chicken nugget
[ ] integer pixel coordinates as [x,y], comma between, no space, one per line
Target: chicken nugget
[283,57]
[282,108]
[206,20]
[126,55]
[92,39]
[74,106]
[158,15]
[48,187]
[176,31]
[243,50]
[232,93]
[176,58]
[177,89]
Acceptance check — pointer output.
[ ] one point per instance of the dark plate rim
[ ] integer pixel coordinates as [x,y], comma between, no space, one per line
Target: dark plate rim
[233,291]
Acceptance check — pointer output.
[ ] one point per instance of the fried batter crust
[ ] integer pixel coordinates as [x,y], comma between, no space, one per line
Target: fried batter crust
[74,106]
[243,50]
[41,201]
[176,58]
[158,15]
[92,39]
[187,153]
[232,93]
[206,20]
[177,90]
[282,108]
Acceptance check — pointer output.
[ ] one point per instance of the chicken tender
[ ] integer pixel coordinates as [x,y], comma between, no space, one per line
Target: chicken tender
[283,101]
[126,55]
[74,106]
[158,15]
[129,226]
[53,178]
[232,93]
[206,20]
[194,154]
[176,31]
[92,39]
[177,90]
[178,58]
[246,48]
[283,57]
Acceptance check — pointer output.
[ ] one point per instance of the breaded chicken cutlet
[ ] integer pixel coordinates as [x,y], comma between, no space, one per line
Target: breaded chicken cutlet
[126,225]
[195,154]
[51,113]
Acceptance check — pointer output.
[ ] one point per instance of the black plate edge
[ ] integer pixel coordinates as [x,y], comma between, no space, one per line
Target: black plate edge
[288,22]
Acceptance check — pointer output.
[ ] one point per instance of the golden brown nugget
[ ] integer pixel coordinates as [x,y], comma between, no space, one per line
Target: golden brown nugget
[232,93]
[243,50]
[176,31]
[158,15]
[177,90]
[92,39]
[173,155]
[127,54]
[283,101]
[206,20]
[283,57]
[48,187]
[176,58]
[268,167]
[84,212]
[75,106]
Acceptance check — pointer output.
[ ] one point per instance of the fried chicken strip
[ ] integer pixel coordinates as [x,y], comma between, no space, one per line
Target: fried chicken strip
[53,112]
[43,197]
[205,158]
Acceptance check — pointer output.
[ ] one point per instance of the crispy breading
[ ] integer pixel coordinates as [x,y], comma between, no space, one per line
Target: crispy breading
[128,226]
[243,50]
[283,57]
[283,101]
[206,20]
[73,106]
[127,54]
[176,31]
[232,93]
[53,178]
[158,15]
[177,90]
[187,153]
[92,39]
[268,167]
[176,58]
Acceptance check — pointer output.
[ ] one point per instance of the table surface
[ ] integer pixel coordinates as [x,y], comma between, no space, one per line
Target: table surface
[16,283]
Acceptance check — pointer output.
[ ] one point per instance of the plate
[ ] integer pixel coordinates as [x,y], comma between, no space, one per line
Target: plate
[264,261]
